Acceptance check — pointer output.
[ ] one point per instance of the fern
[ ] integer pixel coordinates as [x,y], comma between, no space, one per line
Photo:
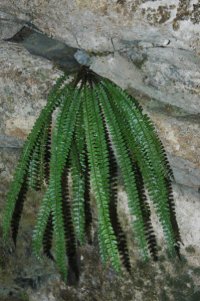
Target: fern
[87,205]
[99,132]
[143,148]
[47,238]
[98,161]
[127,172]
[69,229]
[78,194]
[120,235]
[18,210]
[54,100]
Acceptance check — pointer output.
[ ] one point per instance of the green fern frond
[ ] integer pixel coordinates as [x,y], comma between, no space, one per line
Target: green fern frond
[143,149]
[78,185]
[41,224]
[113,174]
[146,136]
[61,143]
[99,133]
[70,237]
[53,100]
[52,201]
[162,157]
[87,200]
[34,177]
[146,212]
[45,152]
[81,183]
[18,210]
[40,159]
[98,161]
[173,219]
[47,238]
[126,171]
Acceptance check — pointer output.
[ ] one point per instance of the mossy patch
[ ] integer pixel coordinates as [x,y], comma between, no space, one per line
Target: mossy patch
[140,61]
[196,271]
[190,249]
[156,16]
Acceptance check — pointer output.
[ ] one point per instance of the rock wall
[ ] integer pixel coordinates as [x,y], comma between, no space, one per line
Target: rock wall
[152,49]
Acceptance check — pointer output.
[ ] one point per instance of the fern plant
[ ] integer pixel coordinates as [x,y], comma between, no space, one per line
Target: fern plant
[99,132]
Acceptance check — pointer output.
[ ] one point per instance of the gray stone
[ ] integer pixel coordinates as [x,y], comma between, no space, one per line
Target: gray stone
[41,45]
[10,142]
[185,173]
[165,74]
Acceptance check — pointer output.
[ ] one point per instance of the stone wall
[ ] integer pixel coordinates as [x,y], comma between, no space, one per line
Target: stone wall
[152,49]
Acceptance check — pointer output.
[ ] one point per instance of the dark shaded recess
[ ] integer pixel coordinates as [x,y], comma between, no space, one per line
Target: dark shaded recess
[146,212]
[73,260]
[87,205]
[21,35]
[26,282]
[18,210]
[113,180]
[173,218]
[121,1]
[47,239]
[40,44]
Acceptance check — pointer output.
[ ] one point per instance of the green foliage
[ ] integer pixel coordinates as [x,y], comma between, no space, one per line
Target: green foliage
[99,132]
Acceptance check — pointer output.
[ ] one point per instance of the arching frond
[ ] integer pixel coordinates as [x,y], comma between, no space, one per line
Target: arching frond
[143,148]
[146,213]
[61,143]
[113,174]
[87,201]
[47,238]
[98,161]
[18,210]
[78,185]
[99,133]
[126,171]
[46,205]
[81,183]
[54,99]
[69,229]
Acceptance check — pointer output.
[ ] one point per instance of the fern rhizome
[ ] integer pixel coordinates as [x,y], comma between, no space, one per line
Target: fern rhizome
[99,133]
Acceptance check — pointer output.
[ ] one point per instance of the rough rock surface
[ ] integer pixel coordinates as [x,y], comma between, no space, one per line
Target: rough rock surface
[152,49]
